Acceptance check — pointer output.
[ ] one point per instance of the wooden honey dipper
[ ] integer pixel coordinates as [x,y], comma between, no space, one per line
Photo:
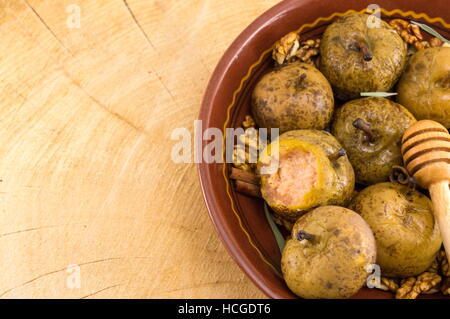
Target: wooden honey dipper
[426,154]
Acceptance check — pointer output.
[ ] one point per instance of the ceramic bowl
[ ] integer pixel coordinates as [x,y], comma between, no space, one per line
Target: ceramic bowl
[240,220]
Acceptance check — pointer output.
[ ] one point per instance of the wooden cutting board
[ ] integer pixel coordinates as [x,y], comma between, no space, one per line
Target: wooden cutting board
[91,204]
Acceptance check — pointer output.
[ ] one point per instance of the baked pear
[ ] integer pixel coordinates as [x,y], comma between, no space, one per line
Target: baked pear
[358,57]
[403,223]
[424,87]
[311,169]
[370,130]
[328,254]
[292,97]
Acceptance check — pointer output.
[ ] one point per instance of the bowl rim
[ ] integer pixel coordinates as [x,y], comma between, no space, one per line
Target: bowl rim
[214,84]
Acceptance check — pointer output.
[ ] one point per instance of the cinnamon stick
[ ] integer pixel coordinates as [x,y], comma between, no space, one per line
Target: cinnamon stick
[248,189]
[241,175]
[245,182]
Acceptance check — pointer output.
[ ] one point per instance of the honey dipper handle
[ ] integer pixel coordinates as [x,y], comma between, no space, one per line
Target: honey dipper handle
[440,196]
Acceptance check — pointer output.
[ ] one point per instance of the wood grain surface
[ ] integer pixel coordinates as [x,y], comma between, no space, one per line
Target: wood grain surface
[86,176]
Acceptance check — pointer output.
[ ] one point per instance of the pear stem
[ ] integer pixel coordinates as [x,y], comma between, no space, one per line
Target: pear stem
[365,127]
[400,175]
[362,46]
[300,81]
[302,235]
[335,156]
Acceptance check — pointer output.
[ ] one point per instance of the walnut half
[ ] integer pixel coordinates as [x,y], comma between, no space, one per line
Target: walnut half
[389,284]
[286,47]
[413,287]
[412,35]
[244,158]
[289,48]
[445,287]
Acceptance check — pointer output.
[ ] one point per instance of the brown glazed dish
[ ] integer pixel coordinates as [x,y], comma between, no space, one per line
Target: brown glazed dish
[239,219]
